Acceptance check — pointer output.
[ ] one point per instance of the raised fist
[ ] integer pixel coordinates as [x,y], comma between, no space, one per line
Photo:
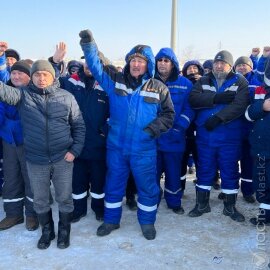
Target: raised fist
[3,47]
[266,51]
[86,36]
[255,51]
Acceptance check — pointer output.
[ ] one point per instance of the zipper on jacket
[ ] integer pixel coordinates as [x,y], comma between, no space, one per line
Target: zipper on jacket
[46,126]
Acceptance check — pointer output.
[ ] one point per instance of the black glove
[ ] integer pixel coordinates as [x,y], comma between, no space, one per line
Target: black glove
[224,98]
[86,36]
[212,122]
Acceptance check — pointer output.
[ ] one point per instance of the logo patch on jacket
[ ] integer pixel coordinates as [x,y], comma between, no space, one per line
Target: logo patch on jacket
[260,93]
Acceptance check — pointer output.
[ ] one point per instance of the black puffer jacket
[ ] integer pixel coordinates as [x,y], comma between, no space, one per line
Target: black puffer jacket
[51,119]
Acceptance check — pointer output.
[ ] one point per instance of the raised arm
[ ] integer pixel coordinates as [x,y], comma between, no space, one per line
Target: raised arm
[105,78]
[10,95]
[4,74]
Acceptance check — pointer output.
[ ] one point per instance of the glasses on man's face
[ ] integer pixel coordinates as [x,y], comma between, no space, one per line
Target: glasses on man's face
[164,60]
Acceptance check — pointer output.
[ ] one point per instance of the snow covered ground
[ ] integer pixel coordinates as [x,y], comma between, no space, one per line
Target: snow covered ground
[211,241]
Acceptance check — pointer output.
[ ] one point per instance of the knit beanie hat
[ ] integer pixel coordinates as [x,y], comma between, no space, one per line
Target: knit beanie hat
[22,66]
[224,56]
[243,60]
[12,53]
[42,65]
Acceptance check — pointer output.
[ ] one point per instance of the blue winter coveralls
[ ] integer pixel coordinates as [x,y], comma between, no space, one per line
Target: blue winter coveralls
[171,145]
[140,110]
[220,148]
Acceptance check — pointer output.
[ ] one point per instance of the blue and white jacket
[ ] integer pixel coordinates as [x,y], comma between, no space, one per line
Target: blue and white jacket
[179,87]
[10,122]
[202,99]
[140,110]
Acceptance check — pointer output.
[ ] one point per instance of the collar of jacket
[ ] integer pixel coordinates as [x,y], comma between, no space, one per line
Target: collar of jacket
[173,76]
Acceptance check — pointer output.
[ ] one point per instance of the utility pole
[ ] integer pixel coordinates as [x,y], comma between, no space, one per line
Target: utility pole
[174,26]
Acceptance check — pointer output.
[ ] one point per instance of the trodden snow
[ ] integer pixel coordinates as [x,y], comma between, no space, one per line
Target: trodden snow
[212,241]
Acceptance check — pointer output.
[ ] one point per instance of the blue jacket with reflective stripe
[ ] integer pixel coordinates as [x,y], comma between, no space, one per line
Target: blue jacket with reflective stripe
[10,123]
[179,87]
[94,105]
[202,99]
[253,83]
[137,115]
[260,133]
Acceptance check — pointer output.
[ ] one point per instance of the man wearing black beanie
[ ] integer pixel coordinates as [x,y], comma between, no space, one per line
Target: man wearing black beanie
[12,57]
[17,192]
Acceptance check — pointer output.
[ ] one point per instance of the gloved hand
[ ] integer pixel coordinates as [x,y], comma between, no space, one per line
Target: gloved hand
[86,36]
[224,98]
[212,122]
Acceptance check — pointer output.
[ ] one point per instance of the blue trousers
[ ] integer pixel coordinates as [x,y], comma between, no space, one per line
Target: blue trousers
[246,164]
[143,169]
[168,162]
[88,174]
[261,181]
[223,158]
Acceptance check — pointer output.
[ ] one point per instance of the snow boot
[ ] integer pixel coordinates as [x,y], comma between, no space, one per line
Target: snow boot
[229,208]
[262,219]
[178,210]
[249,198]
[221,196]
[31,223]
[47,225]
[63,240]
[77,216]
[106,228]
[99,216]
[9,222]
[202,204]
[149,231]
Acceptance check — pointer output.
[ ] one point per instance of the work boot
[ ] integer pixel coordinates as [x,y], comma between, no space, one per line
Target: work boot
[221,196]
[249,199]
[202,204]
[99,216]
[131,203]
[106,228]
[77,217]
[229,208]
[31,223]
[47,225]
[9,222]
[63,239]
[178,210]
[262,219]
[149,231]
